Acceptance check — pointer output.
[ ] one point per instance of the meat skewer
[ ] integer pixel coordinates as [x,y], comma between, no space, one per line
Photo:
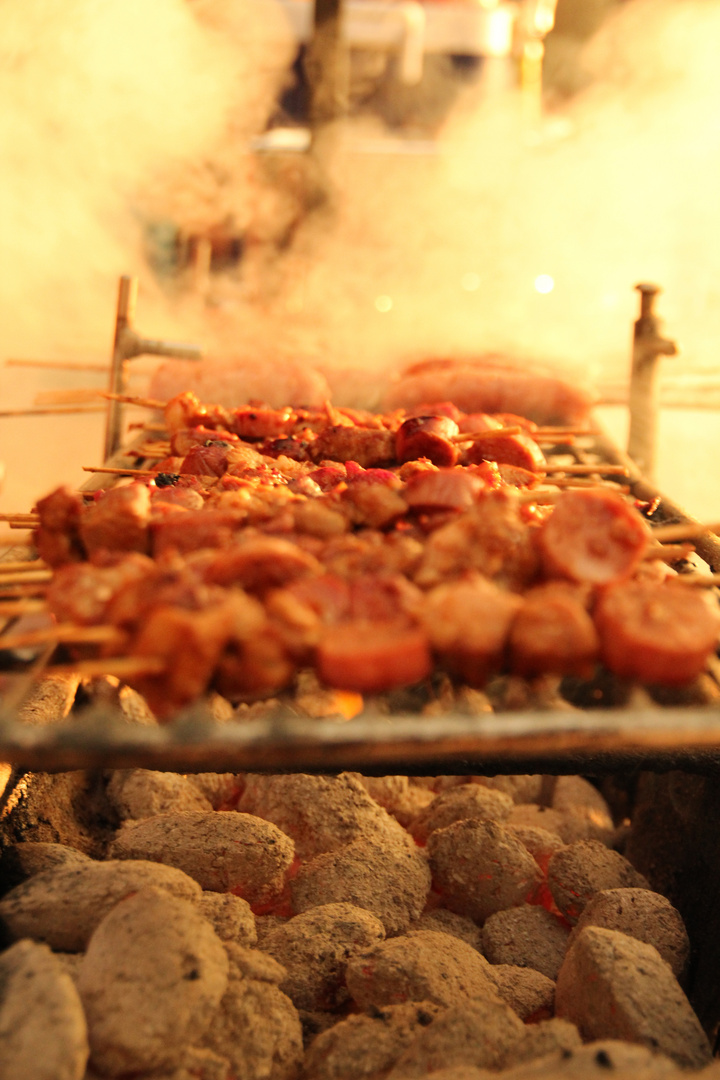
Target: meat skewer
[246,517]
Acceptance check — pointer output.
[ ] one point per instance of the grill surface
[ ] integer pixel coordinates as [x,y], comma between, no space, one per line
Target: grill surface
[549,739]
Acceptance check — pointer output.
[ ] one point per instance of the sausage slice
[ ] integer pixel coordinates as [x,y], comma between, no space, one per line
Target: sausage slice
[656,632]
[593,536]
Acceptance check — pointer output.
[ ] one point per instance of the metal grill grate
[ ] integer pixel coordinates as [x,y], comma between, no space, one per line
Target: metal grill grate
[550,739]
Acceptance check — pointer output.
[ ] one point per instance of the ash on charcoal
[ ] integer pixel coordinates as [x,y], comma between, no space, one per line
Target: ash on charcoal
[484,1032]
[143,793]
[523,788]
[63,906]
[579,871]
[256,1028]
[531,816]
[43,1032]
[527,992]
[364,1047]
[468,801]
[448,922]
[222,852]
[320,813]
[541,843]
[424,965]
[613,986]
[599,1060]
[391,882]
[397,794]
[474,981]
[548,1038]
[476,1040]
[315,948]
[19,862]
[150,982]
[644,915]
[230,916]
[221,789]
[480,867]
[586,814]
[526,936]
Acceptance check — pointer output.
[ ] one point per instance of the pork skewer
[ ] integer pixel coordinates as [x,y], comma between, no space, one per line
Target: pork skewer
[244,638]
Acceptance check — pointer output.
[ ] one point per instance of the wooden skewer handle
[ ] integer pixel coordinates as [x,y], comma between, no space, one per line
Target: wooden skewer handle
[130,399]
[478,436]
[120,666]
[684,530]
[63,633]
[117,471]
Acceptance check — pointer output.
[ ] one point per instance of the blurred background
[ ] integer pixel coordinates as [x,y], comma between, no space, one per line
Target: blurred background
[417,178]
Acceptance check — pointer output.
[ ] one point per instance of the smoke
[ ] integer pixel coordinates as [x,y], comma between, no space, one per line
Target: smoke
[444,253]
[108,108]
[101,102]
[120,119]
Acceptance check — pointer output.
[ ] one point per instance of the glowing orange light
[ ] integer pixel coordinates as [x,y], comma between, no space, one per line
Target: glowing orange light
[348,703]
[383,303]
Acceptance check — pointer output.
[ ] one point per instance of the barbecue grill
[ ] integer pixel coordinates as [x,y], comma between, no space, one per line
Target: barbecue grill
[654,754]
[637,744]
[621,728]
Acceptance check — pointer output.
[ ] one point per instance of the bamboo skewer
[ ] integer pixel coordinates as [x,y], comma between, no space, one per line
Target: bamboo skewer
[13,608]
[20,565]
[547,440]
[478,436]
[24,576]
[684,530]
[699,580]
[132,399]
[588,470]
[550,431]
[587,483]
[29,588]
[52,410]
[63,633]
[121,666]
[31,517]
[668,552]
[116,471]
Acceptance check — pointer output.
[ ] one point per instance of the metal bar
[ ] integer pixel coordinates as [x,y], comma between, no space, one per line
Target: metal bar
[125,312]
[326,65]
[406,744]
[127,344]
[648,346]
